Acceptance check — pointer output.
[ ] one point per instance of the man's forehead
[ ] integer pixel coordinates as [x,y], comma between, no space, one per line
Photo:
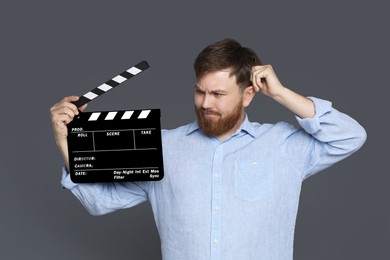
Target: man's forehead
[227,71]
[222,78]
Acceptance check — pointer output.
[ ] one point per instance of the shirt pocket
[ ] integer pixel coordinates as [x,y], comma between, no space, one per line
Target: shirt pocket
[253,179]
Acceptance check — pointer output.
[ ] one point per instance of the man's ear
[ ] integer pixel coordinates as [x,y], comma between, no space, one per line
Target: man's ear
[248,95]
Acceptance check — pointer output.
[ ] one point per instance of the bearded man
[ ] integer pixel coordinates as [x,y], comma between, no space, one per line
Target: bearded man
[231,186]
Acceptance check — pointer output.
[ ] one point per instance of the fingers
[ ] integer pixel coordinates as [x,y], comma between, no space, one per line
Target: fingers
[258,76]
[83,107]
[63,112]
[65,107]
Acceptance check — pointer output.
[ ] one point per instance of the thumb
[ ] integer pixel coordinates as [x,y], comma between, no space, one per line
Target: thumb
[83,107]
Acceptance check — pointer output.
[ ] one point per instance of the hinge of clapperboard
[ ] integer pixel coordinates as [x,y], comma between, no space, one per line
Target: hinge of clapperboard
[112,83]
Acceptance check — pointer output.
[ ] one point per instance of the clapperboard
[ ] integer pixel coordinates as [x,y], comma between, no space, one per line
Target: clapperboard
[115,146]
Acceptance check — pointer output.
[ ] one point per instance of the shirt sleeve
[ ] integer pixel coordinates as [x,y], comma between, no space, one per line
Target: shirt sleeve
[103,198]
[325,139]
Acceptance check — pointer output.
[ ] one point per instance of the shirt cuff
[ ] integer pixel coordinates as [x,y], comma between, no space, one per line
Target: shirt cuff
[313,125]
[66,182]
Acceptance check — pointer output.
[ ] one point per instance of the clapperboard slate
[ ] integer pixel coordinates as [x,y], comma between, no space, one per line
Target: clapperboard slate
[115,146]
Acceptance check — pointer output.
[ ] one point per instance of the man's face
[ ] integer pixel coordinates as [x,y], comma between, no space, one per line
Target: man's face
[219,104]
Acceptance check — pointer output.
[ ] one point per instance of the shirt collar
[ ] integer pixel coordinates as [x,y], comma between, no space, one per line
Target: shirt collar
[245,126]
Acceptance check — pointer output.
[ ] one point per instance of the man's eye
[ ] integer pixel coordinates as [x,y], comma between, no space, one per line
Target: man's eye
[217,94]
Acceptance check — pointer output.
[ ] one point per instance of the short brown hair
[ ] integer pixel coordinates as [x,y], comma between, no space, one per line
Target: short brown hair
[224,54]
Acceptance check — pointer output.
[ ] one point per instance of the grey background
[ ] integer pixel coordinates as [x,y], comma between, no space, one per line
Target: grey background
[337,50]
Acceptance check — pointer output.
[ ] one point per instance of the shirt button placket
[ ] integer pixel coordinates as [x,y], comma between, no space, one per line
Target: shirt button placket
[216,203]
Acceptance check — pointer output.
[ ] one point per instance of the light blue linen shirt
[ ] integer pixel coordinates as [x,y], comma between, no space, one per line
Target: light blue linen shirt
[232,199]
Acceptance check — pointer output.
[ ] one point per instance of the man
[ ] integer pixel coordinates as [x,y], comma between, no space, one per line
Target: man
[231,187]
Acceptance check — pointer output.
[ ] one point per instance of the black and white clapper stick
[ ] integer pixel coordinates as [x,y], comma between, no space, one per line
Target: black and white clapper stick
[112,83]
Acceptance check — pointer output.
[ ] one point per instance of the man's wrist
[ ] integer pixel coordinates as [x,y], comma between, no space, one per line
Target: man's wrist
[280,96]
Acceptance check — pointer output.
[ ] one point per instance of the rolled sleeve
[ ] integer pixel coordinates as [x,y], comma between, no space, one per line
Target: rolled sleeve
[66,182]
[312,125]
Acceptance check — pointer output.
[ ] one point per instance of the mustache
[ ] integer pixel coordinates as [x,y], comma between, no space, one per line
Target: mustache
[208,112]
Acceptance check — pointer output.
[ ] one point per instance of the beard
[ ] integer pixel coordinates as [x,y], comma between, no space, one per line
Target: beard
[223,124]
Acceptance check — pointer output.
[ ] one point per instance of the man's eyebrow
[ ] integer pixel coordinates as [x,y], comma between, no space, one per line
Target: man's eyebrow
[213,91]
[218,91]
[198,88]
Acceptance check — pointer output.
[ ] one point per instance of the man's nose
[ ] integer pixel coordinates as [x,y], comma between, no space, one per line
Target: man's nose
[207,102]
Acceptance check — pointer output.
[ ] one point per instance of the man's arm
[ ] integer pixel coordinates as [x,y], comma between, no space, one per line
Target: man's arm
[265,81]
[335,134]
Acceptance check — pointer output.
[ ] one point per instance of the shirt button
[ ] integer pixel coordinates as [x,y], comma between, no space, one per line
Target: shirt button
[216,208]
[215,241]
[216,175]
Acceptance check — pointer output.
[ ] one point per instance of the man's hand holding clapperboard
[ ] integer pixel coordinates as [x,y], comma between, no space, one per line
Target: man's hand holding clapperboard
[112,146]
